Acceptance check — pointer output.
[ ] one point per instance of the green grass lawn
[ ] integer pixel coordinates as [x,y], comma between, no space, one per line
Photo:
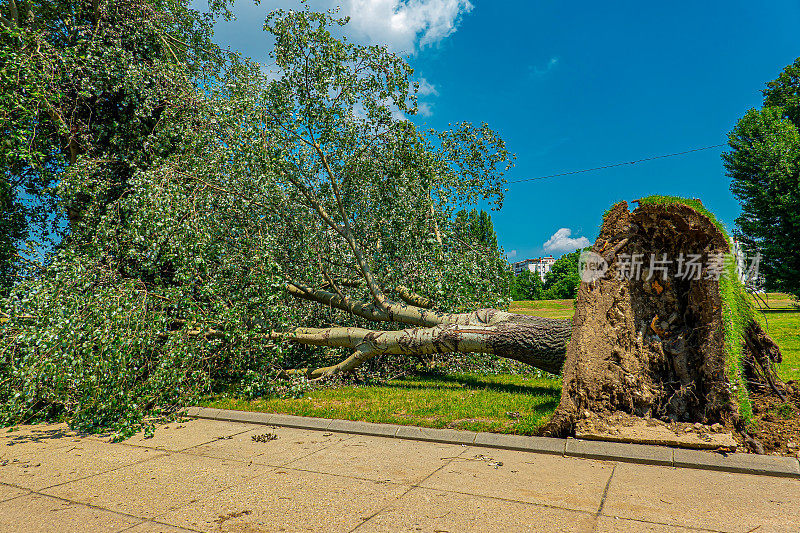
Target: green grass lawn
[544,308]
[499,403]
[784,328]
[503,403]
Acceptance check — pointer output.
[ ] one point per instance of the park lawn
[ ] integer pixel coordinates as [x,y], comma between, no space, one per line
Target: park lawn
[784,328]
[502,403]
[544,308]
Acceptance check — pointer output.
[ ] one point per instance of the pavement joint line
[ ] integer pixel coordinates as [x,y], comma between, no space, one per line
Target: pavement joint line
[411,488]
[309,454]
[605,491]
[688,528]
[144,446]
[15,487]
[186,451]
[156,456]
[155,518]
[599,512]
[190,452]
[345,476]
[758,464]
[272,468]
[73,502]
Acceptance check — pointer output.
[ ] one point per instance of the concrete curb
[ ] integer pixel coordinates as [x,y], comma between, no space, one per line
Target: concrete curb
[742,463]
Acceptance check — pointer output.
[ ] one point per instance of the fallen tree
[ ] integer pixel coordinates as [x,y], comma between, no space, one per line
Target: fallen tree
[313,187]
[656,344]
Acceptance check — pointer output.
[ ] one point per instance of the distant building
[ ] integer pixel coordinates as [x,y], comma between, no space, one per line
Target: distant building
[540,265]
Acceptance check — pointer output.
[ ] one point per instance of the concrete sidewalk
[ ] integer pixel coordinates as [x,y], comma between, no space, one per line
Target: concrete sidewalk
[212,476]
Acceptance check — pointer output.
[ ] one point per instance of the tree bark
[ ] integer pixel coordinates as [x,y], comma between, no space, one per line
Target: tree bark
[539,342]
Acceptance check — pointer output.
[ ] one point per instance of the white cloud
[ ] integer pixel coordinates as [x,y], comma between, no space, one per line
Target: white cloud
[538,72]
[427,88]
[424,109]
[405,25]
[562,241]
[512,254]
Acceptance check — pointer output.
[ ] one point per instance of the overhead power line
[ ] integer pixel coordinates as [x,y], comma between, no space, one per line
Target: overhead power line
[617,164]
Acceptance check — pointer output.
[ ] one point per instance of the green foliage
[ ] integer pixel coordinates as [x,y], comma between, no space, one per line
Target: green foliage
[563,279]
[527,286]
[764,167]
[86,88]
[476,227]
[199,188]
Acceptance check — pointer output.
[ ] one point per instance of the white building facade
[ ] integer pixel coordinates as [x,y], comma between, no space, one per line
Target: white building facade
[540,265]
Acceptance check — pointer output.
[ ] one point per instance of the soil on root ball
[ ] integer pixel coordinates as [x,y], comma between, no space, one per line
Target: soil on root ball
[776,423]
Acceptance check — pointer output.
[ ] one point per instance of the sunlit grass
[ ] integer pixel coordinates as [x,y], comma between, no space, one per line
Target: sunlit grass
[499,403]
[784,328]
[544,308]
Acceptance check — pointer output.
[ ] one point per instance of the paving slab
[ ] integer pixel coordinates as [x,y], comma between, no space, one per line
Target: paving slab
[8,491]
[748,463]
[154,487]
[289,445]
[181,436]
[704,499]
[521,443]
[566,482]
[380,459]
[613,524]
[56,464]
[288,500]
[36,513]
[432,510]
[615,451]
[452,436]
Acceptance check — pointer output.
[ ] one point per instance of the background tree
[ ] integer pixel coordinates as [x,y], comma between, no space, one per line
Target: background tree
[477,227]
[527,285]
[764,167]
[85,90]
[563,279]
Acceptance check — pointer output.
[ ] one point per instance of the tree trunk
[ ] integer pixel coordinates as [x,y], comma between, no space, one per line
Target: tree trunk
[539,342]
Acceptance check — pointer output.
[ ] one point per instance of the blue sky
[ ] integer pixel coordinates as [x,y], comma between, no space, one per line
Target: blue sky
[574,85]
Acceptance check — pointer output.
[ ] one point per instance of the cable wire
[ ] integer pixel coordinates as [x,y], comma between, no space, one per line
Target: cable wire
[617,164]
